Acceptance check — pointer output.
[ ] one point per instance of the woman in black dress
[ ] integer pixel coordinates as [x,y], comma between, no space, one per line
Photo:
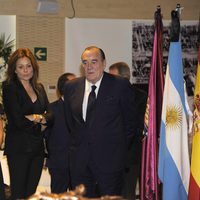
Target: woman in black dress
[25,105]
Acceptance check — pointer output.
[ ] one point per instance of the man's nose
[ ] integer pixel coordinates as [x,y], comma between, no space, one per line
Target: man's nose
[89,65]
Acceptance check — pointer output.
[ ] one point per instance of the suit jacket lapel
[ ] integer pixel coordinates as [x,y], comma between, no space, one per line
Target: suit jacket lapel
[103,88]
[78,99]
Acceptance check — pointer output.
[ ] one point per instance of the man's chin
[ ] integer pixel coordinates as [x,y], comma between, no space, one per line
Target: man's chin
[93,81]
[90,78]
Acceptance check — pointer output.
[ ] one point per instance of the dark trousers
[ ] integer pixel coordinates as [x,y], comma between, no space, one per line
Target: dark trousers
[25,171]
[98,183]
[2,189]
[60,180]
[131,175]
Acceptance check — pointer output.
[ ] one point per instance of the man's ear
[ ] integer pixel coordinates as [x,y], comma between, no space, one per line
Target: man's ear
[104,63]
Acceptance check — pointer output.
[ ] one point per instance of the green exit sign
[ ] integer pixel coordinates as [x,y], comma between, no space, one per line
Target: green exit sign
[40,53]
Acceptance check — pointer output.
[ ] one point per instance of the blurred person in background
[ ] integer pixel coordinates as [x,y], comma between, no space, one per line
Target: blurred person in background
[57,137]
[133,161]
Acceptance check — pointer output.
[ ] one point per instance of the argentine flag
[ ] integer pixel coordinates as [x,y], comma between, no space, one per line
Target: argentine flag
[173,167]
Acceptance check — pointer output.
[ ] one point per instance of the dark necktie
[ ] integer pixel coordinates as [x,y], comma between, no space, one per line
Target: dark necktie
[91,101]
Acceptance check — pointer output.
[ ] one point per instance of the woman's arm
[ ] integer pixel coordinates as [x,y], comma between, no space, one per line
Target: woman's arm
[13,107]
[48,117]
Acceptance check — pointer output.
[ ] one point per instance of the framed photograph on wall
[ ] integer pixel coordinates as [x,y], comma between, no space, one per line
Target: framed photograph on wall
[142,47]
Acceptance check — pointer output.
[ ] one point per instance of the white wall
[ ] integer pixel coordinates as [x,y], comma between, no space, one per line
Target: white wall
[113,36]
[8,25]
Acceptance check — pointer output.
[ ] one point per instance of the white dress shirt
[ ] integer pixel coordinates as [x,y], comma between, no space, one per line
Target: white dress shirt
[88,89]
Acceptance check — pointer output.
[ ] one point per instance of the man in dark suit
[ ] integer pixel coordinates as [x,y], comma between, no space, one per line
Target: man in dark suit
[99,138]
[133,162]
[57,138]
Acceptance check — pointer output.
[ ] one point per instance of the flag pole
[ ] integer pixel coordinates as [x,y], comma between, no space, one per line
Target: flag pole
[179,9]
[194,185]
[199,31]
[175,24]
[149,165]
[158,9]
[173,167]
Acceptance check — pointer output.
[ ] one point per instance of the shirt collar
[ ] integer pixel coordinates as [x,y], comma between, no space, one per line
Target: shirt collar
[88,84]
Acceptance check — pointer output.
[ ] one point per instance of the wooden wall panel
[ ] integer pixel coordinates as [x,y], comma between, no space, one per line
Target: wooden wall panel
[113,9]
[44,32]
[133,9]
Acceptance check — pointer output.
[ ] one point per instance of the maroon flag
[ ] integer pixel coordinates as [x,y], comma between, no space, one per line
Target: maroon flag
[149,170]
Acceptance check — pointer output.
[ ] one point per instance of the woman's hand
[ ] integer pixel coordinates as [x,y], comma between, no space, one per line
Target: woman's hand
[37,118]
[43,127]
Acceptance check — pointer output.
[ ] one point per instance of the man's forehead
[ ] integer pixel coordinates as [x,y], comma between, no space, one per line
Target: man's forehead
[90,53]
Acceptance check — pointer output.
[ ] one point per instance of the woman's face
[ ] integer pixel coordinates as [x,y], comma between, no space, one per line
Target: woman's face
[24,69]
